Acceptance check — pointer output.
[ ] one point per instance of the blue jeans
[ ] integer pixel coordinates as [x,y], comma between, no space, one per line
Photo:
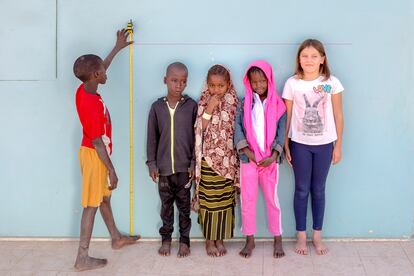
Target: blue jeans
[310,166]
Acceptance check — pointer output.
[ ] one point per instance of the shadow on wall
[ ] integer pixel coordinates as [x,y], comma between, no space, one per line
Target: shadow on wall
[76,206]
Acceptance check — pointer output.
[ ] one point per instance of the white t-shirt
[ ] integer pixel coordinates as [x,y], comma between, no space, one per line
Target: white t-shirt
[312,121]
[258,120]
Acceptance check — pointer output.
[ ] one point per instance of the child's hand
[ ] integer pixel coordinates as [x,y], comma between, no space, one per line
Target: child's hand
[237,190]
[122,39]
[269,160]
[287,153]
[191,174]
[154,175]
[121,42]
[249,154]
[336,155]
[212,103]
[113,180]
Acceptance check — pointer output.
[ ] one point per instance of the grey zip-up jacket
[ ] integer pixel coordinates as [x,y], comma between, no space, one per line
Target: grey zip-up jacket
[170,143]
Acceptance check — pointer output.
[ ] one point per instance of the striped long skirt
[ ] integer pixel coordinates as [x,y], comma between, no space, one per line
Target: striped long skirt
[216,215]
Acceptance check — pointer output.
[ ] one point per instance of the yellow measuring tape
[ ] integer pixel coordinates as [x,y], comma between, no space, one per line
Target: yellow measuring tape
[131,136]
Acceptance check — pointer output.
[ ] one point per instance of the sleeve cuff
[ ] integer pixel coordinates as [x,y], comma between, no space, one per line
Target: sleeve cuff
[241,145]
[279,149]
[152,166]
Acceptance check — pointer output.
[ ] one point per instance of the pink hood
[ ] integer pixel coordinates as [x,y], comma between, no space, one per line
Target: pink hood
[273,111]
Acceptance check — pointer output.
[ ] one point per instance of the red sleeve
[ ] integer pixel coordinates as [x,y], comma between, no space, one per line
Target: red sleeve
[94,120]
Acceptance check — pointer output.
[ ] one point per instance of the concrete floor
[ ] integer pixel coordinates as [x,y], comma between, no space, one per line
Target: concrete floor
[345,258]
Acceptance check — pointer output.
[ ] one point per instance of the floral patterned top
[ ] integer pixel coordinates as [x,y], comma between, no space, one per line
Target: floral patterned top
[215,144]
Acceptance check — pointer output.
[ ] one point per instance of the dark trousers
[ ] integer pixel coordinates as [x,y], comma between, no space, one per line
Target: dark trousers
[310,166]
[172,188]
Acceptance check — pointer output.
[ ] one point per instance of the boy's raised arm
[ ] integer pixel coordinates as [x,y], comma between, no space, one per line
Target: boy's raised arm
[121,42]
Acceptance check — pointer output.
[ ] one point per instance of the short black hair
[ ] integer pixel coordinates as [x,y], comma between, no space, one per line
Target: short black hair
[86,65]
[176,65]
[255,69]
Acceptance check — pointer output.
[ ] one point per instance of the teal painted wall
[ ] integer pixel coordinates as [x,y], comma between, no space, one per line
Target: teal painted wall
[370,48]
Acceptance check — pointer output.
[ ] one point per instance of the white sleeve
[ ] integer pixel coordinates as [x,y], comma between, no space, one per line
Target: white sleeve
[288,91]
[337,86]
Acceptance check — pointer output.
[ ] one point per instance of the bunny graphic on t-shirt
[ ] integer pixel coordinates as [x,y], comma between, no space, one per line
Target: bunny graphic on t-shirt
[312,121]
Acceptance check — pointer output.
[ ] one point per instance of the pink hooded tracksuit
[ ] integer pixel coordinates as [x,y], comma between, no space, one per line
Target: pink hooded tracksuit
[250,173]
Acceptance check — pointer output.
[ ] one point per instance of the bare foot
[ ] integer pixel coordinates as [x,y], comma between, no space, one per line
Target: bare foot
[320,248]
[301,248]
[247,250]
[123,241]
[278,248]
[88,263]
[211,248]
[165,249]
[221,248]
[183,251]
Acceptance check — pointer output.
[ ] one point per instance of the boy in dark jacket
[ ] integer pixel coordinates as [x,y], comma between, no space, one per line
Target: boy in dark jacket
[170,155]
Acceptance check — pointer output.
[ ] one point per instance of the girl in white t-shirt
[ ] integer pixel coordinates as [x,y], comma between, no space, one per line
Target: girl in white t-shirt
[313,99]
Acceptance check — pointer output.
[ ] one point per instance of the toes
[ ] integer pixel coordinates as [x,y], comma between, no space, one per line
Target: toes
[301,251]
[182,255]
[164,253]
[278,255]
[135,238]
[245,254]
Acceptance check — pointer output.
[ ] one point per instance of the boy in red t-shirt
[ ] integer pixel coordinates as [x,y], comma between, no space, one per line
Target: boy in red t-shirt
[98,174]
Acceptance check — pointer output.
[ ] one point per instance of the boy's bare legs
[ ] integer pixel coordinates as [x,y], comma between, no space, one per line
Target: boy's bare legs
[83,261]
[320,248]
[247,250]
[278,248]
[301,247]
[118,240]
[211,248]
[220,247]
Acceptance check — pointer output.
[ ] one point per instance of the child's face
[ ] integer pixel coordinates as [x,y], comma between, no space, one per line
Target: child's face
[217,85]
[176,81]
[258,81]
[310,60]
[100,75]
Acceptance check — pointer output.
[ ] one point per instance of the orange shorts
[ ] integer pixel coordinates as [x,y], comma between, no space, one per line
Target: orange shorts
[95,184]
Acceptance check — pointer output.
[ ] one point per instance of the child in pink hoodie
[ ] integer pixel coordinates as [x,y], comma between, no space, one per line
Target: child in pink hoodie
[259,138]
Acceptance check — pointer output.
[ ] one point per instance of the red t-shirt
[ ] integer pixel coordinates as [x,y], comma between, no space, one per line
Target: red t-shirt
[94,117]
